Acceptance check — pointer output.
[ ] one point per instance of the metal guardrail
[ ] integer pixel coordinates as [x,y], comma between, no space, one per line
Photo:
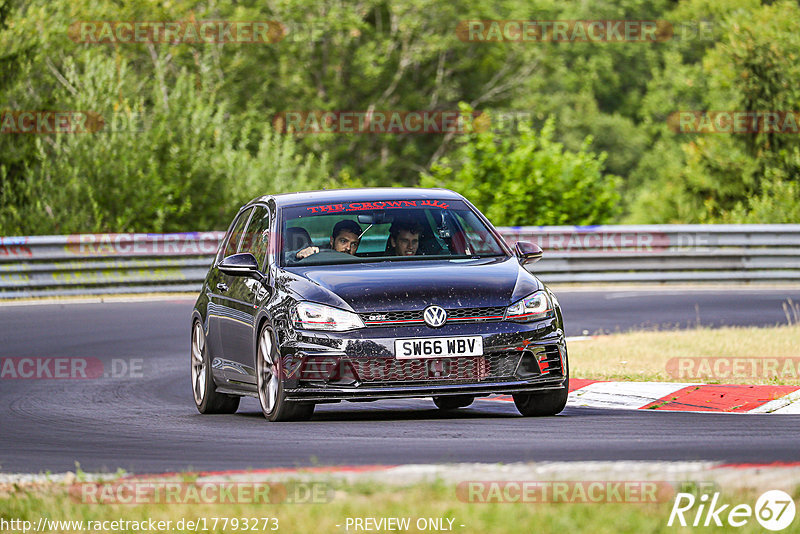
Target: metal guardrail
[665,253]
[89,264]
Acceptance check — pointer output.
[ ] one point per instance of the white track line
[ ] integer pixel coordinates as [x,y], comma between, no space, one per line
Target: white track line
[788,404]
[626,395]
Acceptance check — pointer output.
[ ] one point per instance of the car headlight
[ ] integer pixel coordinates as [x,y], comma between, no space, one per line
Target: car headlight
[311,316]
[534,307]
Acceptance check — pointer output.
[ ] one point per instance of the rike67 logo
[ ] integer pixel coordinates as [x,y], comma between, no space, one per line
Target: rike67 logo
[774,510]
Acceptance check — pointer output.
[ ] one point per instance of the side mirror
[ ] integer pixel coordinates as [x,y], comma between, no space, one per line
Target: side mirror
[244,264]
[527,252]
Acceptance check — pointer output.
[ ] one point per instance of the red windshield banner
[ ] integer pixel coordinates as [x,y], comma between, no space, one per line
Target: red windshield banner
[380,205]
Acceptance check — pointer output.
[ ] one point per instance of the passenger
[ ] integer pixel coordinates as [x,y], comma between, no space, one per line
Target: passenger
[344,238]
[404,238]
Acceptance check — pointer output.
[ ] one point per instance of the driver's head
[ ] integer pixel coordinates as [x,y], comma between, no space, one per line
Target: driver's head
[404,238]
[345,236]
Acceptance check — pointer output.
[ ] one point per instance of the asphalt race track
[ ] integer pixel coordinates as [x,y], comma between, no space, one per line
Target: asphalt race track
[145,420]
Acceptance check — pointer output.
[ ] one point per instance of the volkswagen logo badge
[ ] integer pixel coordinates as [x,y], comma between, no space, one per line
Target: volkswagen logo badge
[434,316]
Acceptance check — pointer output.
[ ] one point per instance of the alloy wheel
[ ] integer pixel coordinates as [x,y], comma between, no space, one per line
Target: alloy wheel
[268,373]
[198,364]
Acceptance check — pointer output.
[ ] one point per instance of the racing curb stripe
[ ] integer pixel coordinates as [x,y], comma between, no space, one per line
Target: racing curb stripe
[634,395]
[273,470]
[755,465]
[578,383]
[668,396]
[724,398]
[788,404]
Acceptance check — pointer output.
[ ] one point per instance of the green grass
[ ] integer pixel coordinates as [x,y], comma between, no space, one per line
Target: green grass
[646,355]
[431,500]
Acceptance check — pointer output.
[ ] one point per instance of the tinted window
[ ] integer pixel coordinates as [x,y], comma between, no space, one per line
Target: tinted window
[386,230]
[477,240]
[236,233]
[256,238]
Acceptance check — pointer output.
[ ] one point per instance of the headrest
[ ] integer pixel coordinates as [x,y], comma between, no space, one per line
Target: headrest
[296,239]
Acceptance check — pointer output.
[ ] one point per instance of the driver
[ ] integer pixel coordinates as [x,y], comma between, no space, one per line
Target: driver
[404,238]
[344,238]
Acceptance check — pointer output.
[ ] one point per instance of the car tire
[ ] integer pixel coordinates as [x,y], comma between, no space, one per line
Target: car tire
[453,402]
[206,398]
[303,411]
[269,380]
[542,404]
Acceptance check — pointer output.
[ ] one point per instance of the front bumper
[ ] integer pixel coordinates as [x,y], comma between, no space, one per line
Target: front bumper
[412,391]
[361,365]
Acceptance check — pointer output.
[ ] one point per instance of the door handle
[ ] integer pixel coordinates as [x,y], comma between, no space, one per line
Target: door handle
[222,286]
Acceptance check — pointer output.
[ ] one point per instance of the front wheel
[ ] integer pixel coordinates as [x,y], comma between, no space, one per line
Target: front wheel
[269,376]
[542,404]
[206,398]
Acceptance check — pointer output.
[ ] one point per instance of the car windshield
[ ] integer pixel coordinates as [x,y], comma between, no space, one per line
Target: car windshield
[405,230]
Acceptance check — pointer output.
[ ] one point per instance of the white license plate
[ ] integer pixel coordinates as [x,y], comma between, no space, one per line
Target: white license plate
[438,347]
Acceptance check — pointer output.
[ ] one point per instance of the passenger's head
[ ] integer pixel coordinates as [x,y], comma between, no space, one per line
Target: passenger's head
[404,238]
[345,236]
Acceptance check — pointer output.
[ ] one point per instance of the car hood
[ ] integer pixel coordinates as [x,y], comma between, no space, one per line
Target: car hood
[412,285]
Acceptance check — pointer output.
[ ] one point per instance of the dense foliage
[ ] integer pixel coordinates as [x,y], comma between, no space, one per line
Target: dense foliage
[190,136]
[541,180]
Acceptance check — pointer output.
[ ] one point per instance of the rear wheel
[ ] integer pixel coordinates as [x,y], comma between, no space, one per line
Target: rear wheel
[205,393]
[542,404]
[453,402]
[269,376]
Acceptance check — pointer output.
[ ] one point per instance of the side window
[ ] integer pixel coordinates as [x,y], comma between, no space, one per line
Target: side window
[236,234]
[478,241]
[256,238]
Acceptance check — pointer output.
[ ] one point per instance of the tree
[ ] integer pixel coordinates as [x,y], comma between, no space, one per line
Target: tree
[176,161]
[528,179]
[726,177]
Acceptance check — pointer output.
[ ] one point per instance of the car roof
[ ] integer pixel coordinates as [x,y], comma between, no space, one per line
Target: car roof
[334,196]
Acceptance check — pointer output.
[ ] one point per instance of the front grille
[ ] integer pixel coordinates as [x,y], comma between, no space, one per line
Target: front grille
[462,369]
[392,318]
[476,314]
[458,315]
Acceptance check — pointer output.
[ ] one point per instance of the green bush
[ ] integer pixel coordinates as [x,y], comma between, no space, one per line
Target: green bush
[176,161]
[529,179]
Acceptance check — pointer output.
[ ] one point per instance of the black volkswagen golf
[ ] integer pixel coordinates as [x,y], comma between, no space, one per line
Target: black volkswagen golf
[368,294]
